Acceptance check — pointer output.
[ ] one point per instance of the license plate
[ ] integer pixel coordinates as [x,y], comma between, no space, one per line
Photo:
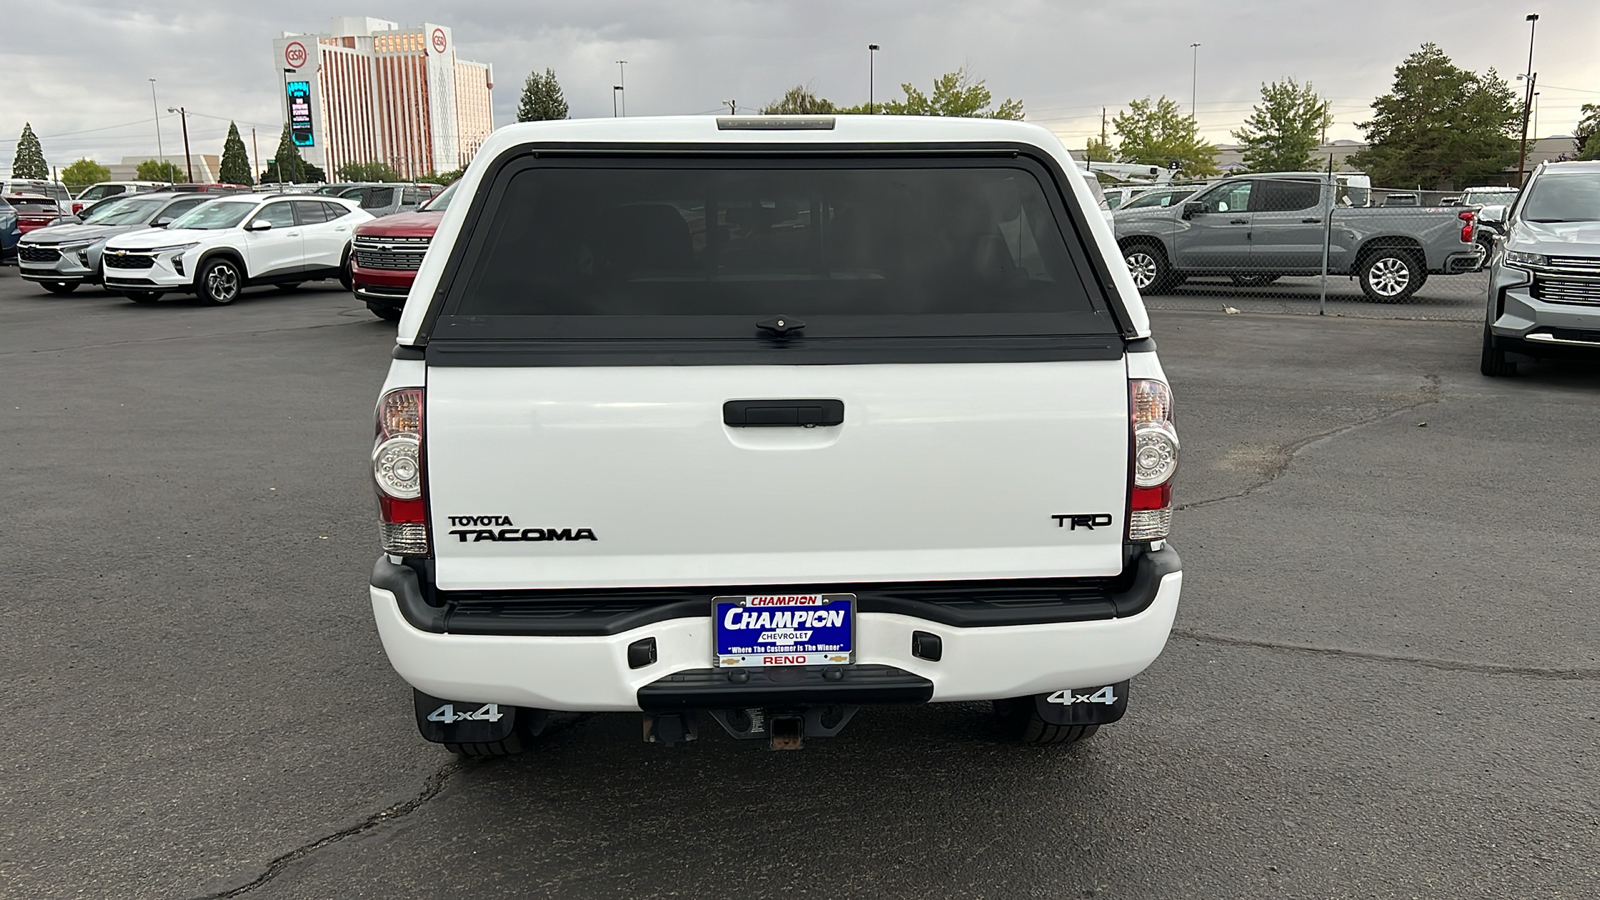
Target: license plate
[784,629]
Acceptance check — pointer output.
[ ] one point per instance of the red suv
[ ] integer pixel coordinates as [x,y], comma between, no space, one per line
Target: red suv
[33,211]
[386,253]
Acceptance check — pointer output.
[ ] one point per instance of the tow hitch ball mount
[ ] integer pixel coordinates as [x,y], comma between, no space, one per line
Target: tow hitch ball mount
[781,728]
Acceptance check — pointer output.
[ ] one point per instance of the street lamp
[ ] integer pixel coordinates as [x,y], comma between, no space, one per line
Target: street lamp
[156,108]
[1194,78]
[872,73]
[1527,99]
[183,116]
[622,86]
[615,90]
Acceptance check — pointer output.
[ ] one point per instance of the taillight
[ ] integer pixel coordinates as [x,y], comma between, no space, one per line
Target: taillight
[1155,461]
[397,472]
[1466,217]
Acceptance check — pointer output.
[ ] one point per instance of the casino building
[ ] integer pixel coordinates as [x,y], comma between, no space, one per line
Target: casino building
[369,90]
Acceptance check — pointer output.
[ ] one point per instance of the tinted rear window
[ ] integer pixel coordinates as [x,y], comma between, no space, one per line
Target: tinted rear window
[755,242]
[377,198]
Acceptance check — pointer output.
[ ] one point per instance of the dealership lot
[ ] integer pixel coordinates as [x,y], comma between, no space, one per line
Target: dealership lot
[1383,681]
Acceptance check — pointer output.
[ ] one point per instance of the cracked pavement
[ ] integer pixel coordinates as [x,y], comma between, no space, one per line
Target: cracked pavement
[1382,682]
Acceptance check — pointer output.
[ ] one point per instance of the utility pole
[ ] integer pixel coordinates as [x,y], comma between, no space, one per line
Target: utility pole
[1194,78]
[188,163]
[733,107]
[872,75]
[1527,100]
[255,153]
[622,85]
[1103,126]
[156,108]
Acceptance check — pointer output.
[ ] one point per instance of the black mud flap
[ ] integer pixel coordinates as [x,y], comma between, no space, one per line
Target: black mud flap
[455,722]
[1084,706]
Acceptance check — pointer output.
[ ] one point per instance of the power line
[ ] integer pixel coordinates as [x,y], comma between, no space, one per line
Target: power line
[51,137]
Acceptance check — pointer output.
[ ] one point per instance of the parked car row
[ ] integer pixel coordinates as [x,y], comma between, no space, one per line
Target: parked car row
[62,257]
[215,240]
[210,243]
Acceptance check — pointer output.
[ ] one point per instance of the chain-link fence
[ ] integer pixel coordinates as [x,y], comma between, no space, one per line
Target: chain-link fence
[1305,245]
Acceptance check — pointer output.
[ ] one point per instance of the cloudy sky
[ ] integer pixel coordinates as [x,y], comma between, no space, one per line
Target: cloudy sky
[78,70]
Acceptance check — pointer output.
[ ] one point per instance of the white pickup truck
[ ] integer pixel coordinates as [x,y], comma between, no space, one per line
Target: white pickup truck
[768,419]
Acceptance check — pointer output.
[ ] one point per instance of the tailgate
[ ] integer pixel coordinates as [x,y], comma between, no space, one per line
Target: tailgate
[628,476]
[600,310]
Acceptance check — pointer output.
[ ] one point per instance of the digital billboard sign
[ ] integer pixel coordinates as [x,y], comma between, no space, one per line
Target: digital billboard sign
[300,113]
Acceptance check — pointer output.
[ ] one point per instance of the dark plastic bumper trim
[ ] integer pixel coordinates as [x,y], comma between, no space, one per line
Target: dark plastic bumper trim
[959,604]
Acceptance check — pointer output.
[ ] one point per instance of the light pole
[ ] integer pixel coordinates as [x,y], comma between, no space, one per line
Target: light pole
[1527,99]
[187,162]
[615,90]
[622,85]
[872,74]
[1194,78]
[156,108]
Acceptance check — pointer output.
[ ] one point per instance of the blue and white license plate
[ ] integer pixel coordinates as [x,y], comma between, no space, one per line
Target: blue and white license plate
[784,629]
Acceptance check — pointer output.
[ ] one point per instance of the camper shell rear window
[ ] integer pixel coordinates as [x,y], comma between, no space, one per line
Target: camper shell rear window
[663,248]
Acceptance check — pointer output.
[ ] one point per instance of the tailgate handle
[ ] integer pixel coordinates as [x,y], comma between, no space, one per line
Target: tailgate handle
[774,413]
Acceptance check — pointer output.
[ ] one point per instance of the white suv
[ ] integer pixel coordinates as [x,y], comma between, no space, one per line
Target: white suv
[221,247]
[768,419]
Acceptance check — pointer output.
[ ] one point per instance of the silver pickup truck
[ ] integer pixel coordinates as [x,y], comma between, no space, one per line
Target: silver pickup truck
[1257,228]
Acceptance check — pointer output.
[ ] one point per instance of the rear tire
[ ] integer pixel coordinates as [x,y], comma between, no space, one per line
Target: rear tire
[1494,363]
[1149,267]
[530,724]
[510,746]
[1391,275]
[347,273]
[1018,720]
[59,287]
[386,313]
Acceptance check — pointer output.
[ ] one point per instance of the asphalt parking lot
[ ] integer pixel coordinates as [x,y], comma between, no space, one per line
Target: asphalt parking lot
[1385,679]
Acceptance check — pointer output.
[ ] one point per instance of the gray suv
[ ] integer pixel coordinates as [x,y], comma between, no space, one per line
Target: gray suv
[1544,277]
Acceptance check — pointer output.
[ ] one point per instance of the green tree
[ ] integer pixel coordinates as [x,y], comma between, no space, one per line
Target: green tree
[1155,133]
[1284,128]
[445,178]
[1442,127]
[798,101]
[954,94]
[158,170]
[1100,151]
[541,98]
[83,173]
[235,168]
[368,171]
[287,166]
[1583,137]
[29,161]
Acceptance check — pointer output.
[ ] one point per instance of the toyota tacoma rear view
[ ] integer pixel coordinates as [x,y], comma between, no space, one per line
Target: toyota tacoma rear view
[751,423]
